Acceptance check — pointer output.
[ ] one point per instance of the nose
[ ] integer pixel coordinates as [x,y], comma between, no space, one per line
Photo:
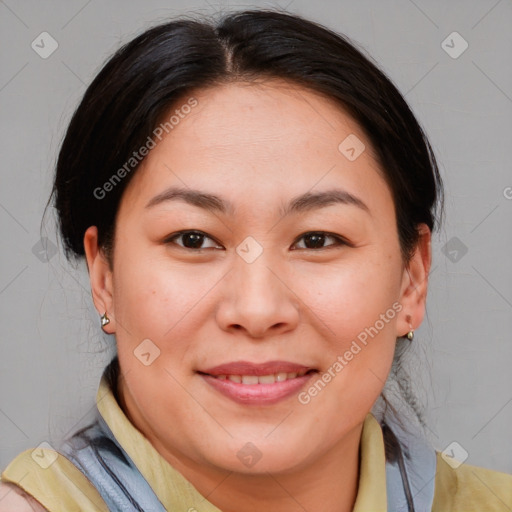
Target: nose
[258,300]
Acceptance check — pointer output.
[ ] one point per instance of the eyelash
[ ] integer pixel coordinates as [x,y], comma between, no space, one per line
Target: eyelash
[339,241]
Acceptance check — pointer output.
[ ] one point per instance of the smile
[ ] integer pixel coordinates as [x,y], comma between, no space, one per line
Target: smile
[271,378]
[257,384]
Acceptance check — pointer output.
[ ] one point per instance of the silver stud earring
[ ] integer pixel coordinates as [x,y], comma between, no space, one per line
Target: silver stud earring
[410,334]
[104,320]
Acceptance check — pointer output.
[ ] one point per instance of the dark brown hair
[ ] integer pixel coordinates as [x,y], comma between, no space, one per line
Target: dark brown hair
[142,80]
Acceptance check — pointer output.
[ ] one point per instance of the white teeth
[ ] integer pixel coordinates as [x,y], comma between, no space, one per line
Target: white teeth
[251,380]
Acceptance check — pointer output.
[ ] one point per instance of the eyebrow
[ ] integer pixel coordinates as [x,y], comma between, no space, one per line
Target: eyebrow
[299,204]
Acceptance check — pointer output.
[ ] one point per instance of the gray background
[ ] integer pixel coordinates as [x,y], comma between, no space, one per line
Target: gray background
[52,348]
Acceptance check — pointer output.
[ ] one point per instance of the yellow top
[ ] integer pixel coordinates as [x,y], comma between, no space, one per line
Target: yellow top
[58,485]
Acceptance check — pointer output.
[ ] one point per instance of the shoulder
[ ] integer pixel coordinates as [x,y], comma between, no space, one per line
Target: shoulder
[464,487]
[46,480]
[15,499]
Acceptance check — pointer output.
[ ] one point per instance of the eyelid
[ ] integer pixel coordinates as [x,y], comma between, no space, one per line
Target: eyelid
[169,239]
[339,240]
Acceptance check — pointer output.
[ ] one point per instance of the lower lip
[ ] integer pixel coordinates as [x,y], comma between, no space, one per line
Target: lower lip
[258,394]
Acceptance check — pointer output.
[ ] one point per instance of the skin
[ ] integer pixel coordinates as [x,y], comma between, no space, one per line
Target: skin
[13,498]
[257,146]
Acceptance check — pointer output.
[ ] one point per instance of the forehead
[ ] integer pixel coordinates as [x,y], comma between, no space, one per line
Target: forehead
[257,138]
[273,114]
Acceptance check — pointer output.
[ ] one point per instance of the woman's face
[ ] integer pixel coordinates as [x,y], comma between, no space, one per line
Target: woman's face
[293,265]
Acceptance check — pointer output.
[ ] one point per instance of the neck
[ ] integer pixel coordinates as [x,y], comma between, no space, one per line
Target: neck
[329,484]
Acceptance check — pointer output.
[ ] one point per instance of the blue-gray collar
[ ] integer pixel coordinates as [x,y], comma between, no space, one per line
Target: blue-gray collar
[410,468]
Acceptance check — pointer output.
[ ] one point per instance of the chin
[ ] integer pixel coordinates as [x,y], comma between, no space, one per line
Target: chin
[260,457]
[263,466]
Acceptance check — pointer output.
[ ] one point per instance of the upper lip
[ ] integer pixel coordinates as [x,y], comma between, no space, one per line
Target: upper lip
[248,368]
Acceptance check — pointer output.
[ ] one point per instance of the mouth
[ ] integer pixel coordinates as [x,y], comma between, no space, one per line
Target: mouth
[271,378]
[258,384]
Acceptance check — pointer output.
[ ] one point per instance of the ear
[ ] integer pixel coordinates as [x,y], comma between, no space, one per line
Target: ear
[100,276]
[413,294]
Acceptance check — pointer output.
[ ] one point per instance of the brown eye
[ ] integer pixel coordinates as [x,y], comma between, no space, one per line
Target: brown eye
[192,240]
[317,239]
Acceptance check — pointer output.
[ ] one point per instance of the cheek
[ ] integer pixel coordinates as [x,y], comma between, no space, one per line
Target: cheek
[350,296]
[139,297]
[356,308]
[155,297]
